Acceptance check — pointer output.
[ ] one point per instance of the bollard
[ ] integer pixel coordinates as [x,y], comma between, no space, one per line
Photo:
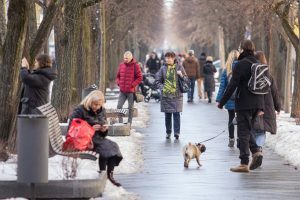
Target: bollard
[32,149]
[87,90]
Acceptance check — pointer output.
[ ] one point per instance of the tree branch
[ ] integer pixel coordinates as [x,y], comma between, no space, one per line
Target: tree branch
[41,4]
[89,3]
[284,18]
[45,28]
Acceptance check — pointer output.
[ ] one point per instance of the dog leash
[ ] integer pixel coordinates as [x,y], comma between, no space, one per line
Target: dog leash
[213,137]
[217,135]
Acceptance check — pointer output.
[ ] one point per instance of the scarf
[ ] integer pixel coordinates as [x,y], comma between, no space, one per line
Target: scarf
[170,82]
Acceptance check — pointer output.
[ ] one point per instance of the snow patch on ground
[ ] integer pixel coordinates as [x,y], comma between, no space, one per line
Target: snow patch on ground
[287,140]
[60,167]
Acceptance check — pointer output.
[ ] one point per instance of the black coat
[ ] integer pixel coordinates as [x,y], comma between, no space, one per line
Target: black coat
[36,88]
[267,122]
[153,65]
[245,100]
[105,147]
[209,80]
[202,61]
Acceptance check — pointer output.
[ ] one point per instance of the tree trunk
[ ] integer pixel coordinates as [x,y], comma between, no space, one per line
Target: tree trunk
[103,47]
[277,60]
[11,59]
[84,71]
[2,21]
[288,79]
[32,28]
[221,46]
[62,96]
[295,112]
[45,29]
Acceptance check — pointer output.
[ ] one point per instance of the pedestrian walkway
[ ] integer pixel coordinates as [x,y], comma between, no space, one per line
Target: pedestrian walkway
[164,176]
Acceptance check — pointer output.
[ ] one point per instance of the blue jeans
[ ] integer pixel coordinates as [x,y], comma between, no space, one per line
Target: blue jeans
[260,137]
[190,93]
[168,122]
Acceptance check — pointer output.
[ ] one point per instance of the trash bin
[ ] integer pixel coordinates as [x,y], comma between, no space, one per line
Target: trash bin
[32,148]
[87,90]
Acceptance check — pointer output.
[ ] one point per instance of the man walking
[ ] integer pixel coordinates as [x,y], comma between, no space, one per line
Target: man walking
[128,77]
[247,105]
[200,80]
[191,66]
[153,63]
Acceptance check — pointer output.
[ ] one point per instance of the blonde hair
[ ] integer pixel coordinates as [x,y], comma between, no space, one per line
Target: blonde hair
[233,55]
[128,53]
[209,58]
[93,96]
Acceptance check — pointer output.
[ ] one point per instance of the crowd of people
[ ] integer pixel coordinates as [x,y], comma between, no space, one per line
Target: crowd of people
[254,113]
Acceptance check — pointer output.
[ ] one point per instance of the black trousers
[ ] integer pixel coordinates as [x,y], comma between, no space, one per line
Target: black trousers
[246,140]
[231,115]
[109,162]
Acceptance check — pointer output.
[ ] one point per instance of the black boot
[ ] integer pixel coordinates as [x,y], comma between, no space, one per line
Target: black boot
[110,176]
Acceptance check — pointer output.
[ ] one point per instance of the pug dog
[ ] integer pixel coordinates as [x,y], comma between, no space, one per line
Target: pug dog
[191,151]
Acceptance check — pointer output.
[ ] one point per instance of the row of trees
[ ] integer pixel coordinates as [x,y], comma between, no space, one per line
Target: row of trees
[271,25]
[92,35]
[90,39]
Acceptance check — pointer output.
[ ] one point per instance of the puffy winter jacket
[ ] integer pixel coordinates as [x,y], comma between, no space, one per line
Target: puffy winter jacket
[129,76]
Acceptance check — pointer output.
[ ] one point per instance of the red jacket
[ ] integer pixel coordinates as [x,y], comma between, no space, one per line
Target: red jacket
[127,80]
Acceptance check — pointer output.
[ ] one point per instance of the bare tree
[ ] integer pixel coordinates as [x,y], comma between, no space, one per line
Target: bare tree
[11,54]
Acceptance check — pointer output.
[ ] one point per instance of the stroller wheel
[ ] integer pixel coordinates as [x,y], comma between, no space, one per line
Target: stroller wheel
[146,100]
[157,100]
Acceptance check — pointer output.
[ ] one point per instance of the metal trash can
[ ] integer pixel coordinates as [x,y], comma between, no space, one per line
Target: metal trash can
[87,90]
[32,148]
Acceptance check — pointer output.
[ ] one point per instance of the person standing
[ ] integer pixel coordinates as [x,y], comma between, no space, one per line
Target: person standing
[191,66]
[230,105]
[171,99]
[247,105]
[153,63]
[36,84]
[129,76]
[209,80]
[200,80]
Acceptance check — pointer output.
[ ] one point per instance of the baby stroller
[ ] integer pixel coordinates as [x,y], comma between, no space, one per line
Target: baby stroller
[148,88]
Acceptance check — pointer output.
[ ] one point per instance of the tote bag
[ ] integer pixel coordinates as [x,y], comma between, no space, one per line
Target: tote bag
[79,136]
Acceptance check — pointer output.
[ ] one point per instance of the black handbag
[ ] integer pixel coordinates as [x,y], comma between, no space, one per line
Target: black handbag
[184,83]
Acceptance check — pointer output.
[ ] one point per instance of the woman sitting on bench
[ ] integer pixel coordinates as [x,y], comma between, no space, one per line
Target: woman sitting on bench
[92,111]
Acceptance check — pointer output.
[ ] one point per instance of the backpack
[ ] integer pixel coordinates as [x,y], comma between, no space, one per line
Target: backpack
[259,82]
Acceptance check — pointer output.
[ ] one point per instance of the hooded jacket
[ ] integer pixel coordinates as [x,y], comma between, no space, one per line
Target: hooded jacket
[36,87]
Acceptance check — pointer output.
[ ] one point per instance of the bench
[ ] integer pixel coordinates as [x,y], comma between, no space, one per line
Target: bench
[56,139]
[122,112]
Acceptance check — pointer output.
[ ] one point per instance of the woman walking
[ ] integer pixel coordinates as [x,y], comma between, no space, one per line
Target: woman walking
[209,81]
[171,98]
[230,105]
[266,122]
